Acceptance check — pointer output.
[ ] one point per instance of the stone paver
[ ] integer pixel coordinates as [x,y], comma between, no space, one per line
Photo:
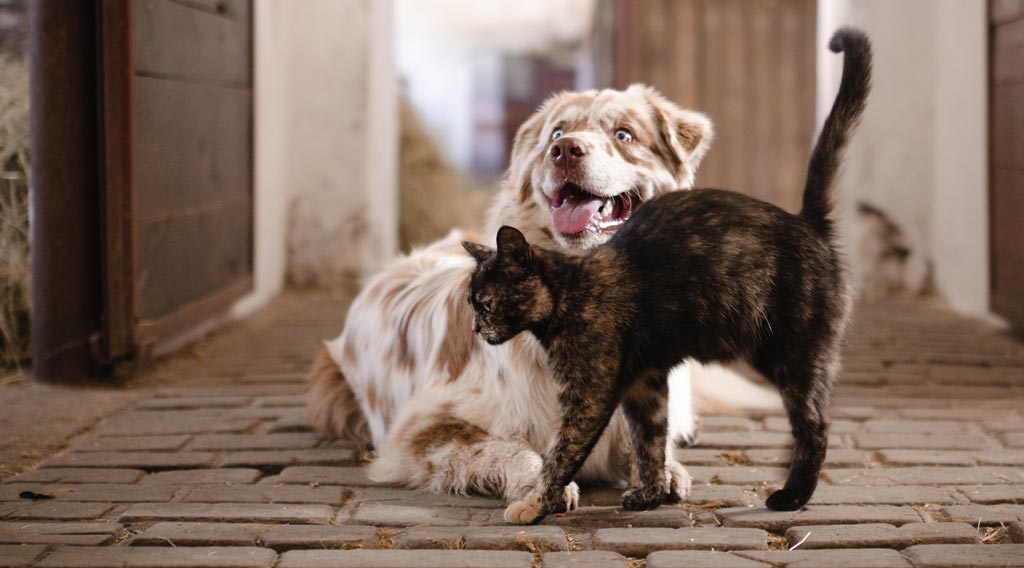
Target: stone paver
[926,457]
[720,495]
[300,441]
[260,493]
[836,457]
[877,495]
[142,460]
[902,427]
[990,494]
[50,510]
[954,556]
[99,492]
[153,423]
[234,512]
[87,557]
[132,444]
[704,559]
[530,539]
[192,403]
[19,556]
[224,476]
[283,458]
[584,559]
[859,558]
[406,558]
[278,537]
[388,515]
[877,535]
[219,467]
[738,475]
[85,534]
[640,542]
[614,517]
[320,475]
[985,514]
[78,475]
[925,476]
[817,515]
[922,441]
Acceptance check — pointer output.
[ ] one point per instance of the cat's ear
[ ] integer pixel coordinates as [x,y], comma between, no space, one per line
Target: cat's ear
[512,243]
[479,252]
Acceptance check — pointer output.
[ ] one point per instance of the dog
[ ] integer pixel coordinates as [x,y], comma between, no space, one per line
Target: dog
[408,377]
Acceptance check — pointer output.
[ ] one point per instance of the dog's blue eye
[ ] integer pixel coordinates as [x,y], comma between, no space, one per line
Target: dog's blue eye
[556,134]
[623,135]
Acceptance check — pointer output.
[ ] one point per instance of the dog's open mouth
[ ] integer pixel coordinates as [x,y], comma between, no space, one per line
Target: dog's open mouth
[575,210]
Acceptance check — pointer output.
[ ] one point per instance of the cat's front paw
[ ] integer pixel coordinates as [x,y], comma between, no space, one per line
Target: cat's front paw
[571,496]
[525,512]
[677,481]
[643,498]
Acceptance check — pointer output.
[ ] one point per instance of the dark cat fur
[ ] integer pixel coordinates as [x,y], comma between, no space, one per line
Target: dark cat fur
[706,274]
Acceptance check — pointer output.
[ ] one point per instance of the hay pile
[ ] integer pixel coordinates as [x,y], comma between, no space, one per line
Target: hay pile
[434,198]
[15,270]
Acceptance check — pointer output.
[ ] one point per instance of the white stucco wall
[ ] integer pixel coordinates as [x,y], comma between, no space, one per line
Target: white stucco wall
[960,224]
[326,143]
[920,153]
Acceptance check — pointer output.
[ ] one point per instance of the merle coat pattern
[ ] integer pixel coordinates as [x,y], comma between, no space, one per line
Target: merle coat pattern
[710,275]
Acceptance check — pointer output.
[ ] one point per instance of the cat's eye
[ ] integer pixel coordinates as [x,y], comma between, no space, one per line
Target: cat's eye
[484,305]
[623,135]
[556,134]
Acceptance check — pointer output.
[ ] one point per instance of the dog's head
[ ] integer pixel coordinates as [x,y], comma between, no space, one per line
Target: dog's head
[584,161]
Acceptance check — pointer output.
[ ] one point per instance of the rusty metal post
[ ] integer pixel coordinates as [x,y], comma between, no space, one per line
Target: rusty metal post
[65,192]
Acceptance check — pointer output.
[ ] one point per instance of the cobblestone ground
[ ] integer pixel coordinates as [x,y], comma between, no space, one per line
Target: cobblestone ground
[924,469]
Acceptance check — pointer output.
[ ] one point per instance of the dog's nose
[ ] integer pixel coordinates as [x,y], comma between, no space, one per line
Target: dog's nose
[567,152]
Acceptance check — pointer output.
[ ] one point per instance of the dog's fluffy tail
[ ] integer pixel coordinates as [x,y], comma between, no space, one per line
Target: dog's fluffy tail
[845,114]
[731,390]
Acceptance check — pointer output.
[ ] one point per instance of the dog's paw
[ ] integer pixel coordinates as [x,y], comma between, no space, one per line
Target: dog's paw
[525,512]
[677,481]
[783,500]
[643,498]
[571,496]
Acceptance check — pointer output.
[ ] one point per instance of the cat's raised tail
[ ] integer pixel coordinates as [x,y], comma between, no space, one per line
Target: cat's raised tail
[846,111]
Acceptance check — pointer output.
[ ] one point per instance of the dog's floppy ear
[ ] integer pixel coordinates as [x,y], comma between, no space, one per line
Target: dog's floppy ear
[687,133]
[694,132]
[479,252]
[512,244]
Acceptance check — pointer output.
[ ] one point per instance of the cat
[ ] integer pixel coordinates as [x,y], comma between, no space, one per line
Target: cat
[709,274]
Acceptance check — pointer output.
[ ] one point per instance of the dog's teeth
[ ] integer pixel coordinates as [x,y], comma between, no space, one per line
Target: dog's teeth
[608,207]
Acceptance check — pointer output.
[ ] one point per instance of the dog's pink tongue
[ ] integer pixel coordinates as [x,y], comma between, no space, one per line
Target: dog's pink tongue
[575,213]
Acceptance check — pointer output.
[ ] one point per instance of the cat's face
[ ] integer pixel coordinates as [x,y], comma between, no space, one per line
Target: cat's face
[506,290]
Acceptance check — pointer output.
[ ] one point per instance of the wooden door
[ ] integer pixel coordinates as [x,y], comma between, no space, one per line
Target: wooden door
[748,64]
[1006,158]
[177,114]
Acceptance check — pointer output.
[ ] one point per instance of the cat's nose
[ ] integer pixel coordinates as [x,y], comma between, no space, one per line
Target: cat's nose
[567,152]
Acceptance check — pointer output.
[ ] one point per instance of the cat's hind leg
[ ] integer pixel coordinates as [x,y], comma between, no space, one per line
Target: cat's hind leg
[807,397]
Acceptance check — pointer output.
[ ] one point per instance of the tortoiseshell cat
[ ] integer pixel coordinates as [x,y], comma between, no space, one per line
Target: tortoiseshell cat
[706,274]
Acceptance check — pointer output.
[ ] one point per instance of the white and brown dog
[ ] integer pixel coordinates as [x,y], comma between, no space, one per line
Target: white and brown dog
[446,411]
